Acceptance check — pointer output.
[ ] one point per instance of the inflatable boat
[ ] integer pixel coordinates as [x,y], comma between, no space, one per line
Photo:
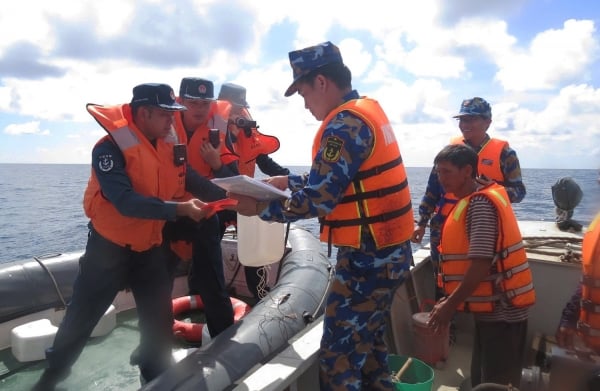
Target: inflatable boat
[34,293]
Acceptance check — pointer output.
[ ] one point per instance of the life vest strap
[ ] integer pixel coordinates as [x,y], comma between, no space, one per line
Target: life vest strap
[517,269]
[375,193]
[360,221]
[512,293]
[453,257]
[460,277]
[590,306]
[505,252]
[483,299]
[590,281]
[381,218]
[377,169]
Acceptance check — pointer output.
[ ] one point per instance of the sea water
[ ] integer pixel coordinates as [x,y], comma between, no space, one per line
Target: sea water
[41,205]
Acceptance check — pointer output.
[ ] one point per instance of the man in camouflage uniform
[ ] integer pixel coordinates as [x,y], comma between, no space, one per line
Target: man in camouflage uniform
[474,119]
[357,187]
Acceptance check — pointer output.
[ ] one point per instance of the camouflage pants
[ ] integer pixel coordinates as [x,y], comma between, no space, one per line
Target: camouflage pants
[435,231]
[353,354]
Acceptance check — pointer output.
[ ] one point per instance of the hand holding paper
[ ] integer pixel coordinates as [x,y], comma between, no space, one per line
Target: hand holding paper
[279,181]
[250,187]
[245,205]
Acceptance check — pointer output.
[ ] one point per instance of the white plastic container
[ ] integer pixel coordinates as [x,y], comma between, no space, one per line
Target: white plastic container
[29,341]
[259,242]
[107,323]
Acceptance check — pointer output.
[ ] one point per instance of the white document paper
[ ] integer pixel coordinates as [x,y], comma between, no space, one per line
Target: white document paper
[244,185]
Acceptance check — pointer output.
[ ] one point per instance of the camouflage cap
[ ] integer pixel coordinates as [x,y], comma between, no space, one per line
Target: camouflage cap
[305,60]
[475,106]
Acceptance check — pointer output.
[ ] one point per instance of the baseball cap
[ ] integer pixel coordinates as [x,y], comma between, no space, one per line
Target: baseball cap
[196,88]
[305,60]
[155,94]
[475,106]
[234,94]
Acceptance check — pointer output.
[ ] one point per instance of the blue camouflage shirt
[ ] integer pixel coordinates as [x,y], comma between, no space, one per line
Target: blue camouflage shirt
[316,194]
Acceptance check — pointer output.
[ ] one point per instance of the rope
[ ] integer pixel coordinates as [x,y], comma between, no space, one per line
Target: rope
[551,242]
[570,247]
[308,317]
[60,296]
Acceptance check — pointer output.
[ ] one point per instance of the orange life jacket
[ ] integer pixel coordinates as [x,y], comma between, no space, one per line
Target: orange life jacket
[199,136]
[248,147]
[513,280]
[152,172]
[589,316]
[488,165]
[217,120]
[378,196]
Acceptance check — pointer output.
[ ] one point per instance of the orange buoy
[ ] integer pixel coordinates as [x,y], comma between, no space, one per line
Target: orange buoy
[192,332]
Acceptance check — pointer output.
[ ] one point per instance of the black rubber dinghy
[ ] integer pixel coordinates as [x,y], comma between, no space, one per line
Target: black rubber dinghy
[296,299]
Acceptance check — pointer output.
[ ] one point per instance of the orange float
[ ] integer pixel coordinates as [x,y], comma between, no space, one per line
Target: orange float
[192,332]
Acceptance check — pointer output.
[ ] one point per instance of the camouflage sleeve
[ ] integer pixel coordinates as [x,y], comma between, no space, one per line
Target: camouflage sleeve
[297,182]
[346,143]
[433,194]
[513,183]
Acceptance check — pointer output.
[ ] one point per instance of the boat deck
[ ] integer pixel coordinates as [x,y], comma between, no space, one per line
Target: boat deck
[455,371]
[103,365]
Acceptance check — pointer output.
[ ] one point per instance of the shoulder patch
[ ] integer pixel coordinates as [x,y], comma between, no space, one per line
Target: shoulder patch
[332,150]
[105,163]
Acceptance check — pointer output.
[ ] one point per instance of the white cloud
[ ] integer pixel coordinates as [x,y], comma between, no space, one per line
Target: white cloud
[26,128]
[553,56]
[418,59]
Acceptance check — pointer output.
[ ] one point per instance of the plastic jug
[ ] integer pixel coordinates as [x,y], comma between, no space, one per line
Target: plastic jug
[259,242]
[430,347]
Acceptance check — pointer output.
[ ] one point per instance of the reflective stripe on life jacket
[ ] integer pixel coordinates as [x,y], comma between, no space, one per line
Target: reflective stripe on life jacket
[513,280]
[589,316]
[152,173]
[378,196]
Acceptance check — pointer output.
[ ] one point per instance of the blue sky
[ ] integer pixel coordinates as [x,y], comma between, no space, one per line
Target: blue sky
[536,62]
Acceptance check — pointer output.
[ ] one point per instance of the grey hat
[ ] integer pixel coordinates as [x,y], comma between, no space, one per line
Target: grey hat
[155,94]
[234,94]
[196,88]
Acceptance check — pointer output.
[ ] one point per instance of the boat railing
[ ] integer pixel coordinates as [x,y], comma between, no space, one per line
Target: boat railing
[296,367]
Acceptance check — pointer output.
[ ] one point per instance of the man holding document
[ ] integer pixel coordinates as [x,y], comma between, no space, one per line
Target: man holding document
[357,187]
